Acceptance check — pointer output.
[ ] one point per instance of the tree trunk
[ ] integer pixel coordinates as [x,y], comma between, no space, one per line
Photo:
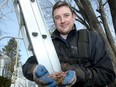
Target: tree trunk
[106,27]
[112,5]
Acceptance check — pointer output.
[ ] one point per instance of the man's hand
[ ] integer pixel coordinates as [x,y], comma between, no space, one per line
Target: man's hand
[41,77]
[40,71]
[70,78]
[63,79]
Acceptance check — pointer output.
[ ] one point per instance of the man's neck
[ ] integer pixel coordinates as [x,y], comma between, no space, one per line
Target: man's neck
[63,36]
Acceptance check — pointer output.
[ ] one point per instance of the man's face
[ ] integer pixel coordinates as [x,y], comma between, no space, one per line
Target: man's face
[63,19]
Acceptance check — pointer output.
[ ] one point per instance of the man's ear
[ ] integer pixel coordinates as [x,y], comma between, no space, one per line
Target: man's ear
[74,16]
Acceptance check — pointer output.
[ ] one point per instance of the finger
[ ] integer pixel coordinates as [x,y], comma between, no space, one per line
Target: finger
[69,78]
[41,70]
[53,84]
[47,80]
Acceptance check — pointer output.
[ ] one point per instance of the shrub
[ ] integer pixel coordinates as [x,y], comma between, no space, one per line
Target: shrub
[4,82]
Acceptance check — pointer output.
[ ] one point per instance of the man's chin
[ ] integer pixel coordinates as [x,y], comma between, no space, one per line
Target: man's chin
[64,33]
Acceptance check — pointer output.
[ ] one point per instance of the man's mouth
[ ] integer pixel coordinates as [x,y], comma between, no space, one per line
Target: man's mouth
[63,26]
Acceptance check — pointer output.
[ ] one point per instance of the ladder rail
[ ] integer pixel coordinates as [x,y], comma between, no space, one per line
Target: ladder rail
[22,27]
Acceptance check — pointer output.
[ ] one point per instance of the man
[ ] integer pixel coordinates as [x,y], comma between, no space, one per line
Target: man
[92,70]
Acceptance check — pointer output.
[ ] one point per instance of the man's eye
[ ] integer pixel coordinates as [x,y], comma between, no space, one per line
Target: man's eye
[66,15]
[57,17]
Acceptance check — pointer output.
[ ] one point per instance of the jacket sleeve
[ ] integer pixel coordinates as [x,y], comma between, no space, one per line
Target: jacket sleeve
[101,72]
[28,67]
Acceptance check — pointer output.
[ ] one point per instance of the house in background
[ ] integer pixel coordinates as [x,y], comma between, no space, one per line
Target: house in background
[4,60]
[19,80]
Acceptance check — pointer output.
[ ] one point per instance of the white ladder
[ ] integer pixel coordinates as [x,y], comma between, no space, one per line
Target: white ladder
[35,34]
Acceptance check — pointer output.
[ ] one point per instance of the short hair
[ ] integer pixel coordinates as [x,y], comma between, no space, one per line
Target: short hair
[61,4]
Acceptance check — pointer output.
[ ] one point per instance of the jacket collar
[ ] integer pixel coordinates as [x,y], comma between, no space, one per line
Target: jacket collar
[56,33]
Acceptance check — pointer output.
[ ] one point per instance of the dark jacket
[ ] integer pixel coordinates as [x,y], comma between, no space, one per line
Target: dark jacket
[94,70]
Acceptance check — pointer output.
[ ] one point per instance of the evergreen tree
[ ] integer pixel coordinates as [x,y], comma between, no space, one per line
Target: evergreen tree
[11,50]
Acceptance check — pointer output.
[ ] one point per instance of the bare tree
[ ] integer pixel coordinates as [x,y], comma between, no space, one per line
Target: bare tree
[106,26]
[5,9]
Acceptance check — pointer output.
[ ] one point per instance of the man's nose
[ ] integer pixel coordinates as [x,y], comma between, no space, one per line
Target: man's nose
[62,20]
